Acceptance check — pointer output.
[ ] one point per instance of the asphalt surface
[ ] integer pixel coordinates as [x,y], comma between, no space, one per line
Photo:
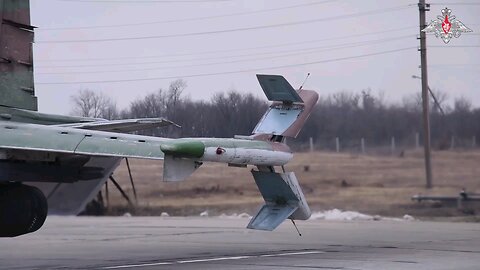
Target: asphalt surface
[222,243]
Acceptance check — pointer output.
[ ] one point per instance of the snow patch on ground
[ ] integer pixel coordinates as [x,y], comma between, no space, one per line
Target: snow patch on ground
[232,216]
[336,214]
[235,215]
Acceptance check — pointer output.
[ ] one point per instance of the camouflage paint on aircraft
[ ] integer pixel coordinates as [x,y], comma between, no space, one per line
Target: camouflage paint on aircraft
[70,158]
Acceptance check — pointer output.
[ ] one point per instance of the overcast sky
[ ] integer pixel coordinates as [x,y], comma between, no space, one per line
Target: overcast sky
[127,49]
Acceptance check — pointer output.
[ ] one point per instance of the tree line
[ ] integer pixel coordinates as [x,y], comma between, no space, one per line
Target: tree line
[347,115]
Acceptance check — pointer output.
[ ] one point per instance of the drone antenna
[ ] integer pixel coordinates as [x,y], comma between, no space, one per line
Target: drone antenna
[301,86]
[295,225]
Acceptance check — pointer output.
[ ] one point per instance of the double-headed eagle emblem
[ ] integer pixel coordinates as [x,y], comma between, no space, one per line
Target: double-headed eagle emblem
[446,26]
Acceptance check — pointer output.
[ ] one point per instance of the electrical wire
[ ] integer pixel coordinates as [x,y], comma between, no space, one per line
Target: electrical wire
[187,19]
[230,72]
[455,46]
[452,65]
[456,4]
[344,45]
[232,50]
[146,1]
[295,52]
[340,17]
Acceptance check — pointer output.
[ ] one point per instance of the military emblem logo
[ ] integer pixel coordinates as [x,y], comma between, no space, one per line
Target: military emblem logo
[446,26]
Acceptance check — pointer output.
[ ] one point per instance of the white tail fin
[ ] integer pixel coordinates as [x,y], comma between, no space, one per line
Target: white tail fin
[289,110]
[283,199]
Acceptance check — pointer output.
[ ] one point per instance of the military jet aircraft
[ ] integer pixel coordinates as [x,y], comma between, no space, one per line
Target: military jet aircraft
[41,154]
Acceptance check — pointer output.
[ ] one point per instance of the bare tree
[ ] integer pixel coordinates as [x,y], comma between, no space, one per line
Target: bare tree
[91,104]
[462,105]
[152,105]
[348,115]
[175,91]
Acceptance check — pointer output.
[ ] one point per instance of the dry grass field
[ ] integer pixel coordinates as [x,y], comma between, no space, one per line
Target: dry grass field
[373,184]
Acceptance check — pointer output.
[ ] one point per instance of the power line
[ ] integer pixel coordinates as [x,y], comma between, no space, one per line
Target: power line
[451,3]
[453,65]
[456,4]
[146,1]
[347,16]
[232,50]
[295,52]
[231,72]
[187,19]
[343,45]
[455,46]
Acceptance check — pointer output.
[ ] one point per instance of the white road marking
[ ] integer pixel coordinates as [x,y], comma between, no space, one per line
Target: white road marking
[137,265]
[292,253]
[213,259]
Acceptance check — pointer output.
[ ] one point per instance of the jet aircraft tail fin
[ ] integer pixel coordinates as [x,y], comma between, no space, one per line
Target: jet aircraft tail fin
[283,199]
[289,110]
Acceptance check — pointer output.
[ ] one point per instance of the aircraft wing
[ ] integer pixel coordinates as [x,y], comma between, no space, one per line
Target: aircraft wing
[78,141]
[124,125]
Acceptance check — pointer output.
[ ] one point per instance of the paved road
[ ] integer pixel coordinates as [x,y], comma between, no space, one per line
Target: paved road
[215,243]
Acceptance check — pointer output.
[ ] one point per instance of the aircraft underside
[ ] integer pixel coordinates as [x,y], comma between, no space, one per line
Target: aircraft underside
[59,185]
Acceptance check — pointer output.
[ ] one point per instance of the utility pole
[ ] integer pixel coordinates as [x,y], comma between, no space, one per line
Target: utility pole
[422,7]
